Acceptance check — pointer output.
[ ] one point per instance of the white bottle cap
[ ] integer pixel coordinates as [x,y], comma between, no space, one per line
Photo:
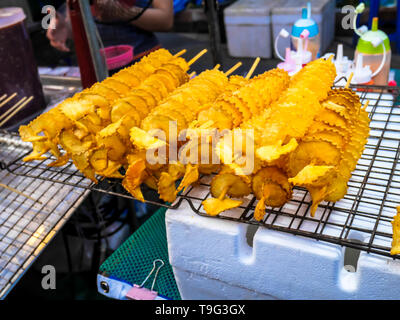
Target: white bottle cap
[361,74]
[284,33]
[363,29]
[376,41]
[341,62]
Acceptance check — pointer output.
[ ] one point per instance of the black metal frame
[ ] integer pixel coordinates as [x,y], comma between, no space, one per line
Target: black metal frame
[379,158]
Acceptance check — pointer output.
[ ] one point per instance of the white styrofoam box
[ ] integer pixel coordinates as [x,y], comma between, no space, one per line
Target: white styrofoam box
[286,12]
[248,28]
[212,260]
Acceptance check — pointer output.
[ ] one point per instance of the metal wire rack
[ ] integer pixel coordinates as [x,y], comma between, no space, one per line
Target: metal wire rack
[30,215]
[362,220]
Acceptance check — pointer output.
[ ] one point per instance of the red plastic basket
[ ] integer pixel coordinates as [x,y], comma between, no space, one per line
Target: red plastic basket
[117,56]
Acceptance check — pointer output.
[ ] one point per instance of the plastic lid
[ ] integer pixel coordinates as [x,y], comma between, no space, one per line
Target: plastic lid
[301,56]
[361,74]
[10,16]
[289,64]
[368,40]
[305,23]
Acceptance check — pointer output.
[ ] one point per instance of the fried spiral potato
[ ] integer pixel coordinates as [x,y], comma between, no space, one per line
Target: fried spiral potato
[272,188]
[87,111]
[294,131]
[180,107]
[396,233]
[253,96]
[278,128]
[226,183]
[199,166]
[336,140]
[97,137]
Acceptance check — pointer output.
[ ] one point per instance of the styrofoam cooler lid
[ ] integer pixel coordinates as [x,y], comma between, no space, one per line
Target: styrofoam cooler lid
[10,16]
[293,7]
[249,8]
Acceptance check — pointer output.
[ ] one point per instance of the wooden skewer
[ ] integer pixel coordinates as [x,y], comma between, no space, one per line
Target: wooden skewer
[365,106]
[197,57]
[349,80]
[3,97]
[5,114]
[18,192]
[180,53]
[192,74]
[253,67]
[8,99]
[16,110]
[223,193]
[330,58]
[217,66]
[233,69]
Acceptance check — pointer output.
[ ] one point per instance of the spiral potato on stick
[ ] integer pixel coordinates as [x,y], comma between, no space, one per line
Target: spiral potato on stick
[180,107]
[86,111]
[266,88]
[204,132]
[329,152]
[277,130]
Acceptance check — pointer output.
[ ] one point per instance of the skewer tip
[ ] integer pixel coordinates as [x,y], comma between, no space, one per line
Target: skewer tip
[253,67]
[365,106]
[233,69]
[178,54]
[349,80]
[197,56]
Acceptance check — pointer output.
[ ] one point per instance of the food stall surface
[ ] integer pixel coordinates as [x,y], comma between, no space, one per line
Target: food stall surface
[31,218]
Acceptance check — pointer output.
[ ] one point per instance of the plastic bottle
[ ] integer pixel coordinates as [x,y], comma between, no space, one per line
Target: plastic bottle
[307,23]
[374,45]
[294,60]
[19,72]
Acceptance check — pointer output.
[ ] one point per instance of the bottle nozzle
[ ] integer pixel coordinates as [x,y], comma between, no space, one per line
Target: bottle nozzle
[363,29]
[360,8]
[304,13]
[283,33]
[304,34]
[374,26]
[359,62]
[339,53]
[376,41]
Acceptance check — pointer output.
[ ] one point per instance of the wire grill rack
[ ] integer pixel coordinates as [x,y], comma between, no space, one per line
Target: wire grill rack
[29,221]
[361,220]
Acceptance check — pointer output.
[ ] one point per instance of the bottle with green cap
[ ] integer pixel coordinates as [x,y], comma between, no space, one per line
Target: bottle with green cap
[308,24]
[374,45]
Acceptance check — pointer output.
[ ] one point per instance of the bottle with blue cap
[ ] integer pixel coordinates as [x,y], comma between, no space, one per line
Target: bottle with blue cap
[307,23]
[374,46]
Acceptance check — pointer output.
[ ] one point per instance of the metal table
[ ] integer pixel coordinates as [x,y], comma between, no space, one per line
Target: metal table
[27,225]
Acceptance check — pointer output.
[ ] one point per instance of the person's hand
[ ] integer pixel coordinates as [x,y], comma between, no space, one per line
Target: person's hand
[110,11]
[58,33]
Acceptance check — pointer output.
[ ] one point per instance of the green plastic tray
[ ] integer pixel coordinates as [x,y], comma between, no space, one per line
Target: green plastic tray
[133,260]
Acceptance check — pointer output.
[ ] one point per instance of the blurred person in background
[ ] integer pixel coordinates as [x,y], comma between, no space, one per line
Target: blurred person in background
[120,22]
